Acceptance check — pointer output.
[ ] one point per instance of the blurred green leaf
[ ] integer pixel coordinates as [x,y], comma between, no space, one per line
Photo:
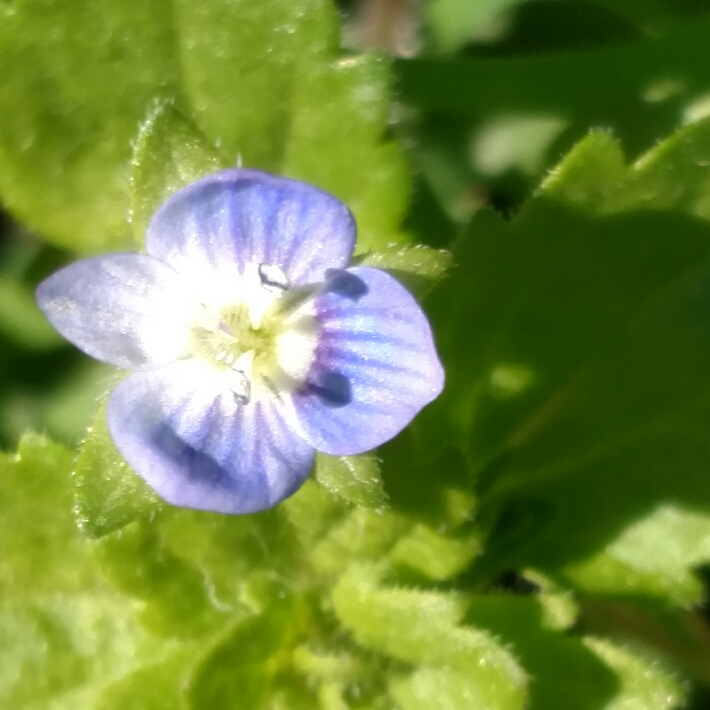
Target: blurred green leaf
[155,686]
[576,339]
[667,636]
[434,555]
[363,535]
[168,154]
[354,479]
[108,493]
[424,628]
[642,684]
[21,319]
[260,80]
[137,562]
[76,82]
[335,142]
[312,510]
[246,561]
[418,267]
[639,89]
[36,528]
[566,671]
[592,176]
[61,651]
[68,410]
[573,81]
[444,501]
[453,22]
[239,670]
[447,689]
[64,635]
[239,62]
[655,16]
[671,176]
[654,555]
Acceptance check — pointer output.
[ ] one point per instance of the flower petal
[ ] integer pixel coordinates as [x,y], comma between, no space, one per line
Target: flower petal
[183,433]
[212,229]
[376,365]
[125,309]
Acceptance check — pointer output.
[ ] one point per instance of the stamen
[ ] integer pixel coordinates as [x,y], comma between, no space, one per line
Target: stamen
[239,385]
[273,278]
[239,378]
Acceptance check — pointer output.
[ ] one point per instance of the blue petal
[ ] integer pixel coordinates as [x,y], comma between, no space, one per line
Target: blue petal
[184,435]
[125,309]
[376,365]
[214,227]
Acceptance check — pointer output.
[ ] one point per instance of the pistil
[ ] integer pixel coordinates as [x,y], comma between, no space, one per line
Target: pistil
[263,337]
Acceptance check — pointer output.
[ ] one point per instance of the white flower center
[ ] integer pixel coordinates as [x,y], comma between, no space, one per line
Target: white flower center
[266,339]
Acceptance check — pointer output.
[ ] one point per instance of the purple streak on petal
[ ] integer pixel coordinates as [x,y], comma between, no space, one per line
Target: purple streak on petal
[239,216]
[175,428]
[125,309]
[376,365]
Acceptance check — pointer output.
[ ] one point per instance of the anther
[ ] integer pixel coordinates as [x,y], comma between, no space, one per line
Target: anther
[273,278]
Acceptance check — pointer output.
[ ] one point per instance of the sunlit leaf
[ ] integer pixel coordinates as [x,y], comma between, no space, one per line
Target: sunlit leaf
[168,154]
[355,479]
[109,494]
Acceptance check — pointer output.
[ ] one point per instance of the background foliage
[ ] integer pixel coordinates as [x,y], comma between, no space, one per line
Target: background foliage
[539,537]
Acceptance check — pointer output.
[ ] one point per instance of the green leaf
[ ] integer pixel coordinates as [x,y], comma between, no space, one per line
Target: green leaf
[434,555]
[672,176]
[654,555]
[109,494]
[261,80]
[37,531]
[354,479]
[603,85]
[444,501]
[239,670]
[533,299]
[446,689]
[246,561]
[454,22]
[63,650]
[76,84]
[418,267]
[591,176]
[239,62]
[63,634]
[312,510]
[335,142]
[564,672]
[642,684]
[663,636]
[137,562]
[585,673]
[362,535]
[168,154]
[69,408]
[33,640]
[576,341]
[151,687]
[20,318]
[423,628]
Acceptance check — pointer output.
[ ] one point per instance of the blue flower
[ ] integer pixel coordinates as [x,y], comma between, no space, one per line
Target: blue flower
[252,344]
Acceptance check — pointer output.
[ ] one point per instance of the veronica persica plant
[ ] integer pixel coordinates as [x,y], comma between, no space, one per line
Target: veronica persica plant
[251,343]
